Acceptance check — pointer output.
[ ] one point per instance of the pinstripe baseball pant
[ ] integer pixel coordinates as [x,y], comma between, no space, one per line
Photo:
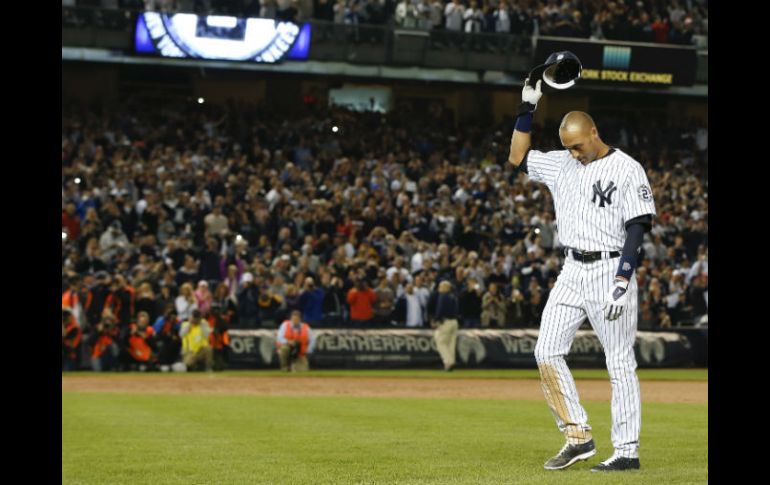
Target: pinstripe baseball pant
[580,291]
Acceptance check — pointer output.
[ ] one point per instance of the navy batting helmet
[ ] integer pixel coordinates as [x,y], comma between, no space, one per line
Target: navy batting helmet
[560,71]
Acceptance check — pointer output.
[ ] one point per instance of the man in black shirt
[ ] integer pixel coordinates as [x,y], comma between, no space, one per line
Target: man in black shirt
[470,305]
[209,261]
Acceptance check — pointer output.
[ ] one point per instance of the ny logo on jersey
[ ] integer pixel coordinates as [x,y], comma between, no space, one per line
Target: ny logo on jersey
[605,196]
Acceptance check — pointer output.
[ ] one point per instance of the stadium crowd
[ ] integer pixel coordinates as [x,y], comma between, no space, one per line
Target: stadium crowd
[174,215]
[659,21]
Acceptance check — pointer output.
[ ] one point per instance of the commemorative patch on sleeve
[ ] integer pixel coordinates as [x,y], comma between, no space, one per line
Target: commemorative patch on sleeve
[645,193]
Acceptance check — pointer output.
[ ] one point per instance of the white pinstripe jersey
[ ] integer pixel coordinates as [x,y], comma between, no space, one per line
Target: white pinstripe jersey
[594,201]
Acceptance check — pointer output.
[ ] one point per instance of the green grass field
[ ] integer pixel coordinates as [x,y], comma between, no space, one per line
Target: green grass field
[218,439]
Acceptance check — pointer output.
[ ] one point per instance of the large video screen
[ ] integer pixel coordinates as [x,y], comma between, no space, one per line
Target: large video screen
[219,37]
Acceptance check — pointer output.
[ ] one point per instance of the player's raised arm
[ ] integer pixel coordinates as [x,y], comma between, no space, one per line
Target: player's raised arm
[521,139]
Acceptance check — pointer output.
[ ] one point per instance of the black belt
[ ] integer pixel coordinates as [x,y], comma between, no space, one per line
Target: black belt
[590,256]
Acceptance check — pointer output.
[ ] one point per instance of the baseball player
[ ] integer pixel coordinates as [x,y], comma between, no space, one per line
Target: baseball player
[603,205]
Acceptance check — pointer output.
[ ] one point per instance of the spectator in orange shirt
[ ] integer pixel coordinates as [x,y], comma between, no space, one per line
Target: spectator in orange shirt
[361,299]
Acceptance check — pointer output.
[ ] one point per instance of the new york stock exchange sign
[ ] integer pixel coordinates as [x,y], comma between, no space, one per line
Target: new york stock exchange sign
[404,348]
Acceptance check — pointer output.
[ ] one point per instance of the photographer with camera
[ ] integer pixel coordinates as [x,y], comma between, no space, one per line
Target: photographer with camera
[492,308]
[294,342]
[141,343]
[270,306]
[71,335]
[169,344]
[103,343]
[77,298]
[219,337]
[121,300]
[195,342]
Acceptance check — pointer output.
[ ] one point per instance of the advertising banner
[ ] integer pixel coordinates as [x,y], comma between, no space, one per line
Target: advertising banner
[476,348]
[625,63]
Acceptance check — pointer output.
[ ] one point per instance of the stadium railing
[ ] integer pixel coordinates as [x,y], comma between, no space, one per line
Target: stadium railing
[380,45]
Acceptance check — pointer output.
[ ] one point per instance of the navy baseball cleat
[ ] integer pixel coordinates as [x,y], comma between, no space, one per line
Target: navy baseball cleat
[617,463]
[570,454]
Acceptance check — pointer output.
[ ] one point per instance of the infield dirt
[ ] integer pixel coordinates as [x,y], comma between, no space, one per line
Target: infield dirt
[500,389]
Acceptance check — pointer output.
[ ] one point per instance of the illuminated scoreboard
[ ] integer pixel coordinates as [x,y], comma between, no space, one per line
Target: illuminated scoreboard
[219,37]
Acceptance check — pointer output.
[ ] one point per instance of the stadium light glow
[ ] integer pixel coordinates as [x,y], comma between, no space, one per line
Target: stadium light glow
[201,100]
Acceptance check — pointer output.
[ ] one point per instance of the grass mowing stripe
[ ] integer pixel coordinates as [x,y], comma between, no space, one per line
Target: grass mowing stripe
[266,439]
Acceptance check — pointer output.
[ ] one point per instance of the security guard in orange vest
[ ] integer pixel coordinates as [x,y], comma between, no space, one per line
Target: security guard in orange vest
[295,341]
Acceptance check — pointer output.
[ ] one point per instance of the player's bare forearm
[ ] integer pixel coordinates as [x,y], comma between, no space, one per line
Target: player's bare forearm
[520,143]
